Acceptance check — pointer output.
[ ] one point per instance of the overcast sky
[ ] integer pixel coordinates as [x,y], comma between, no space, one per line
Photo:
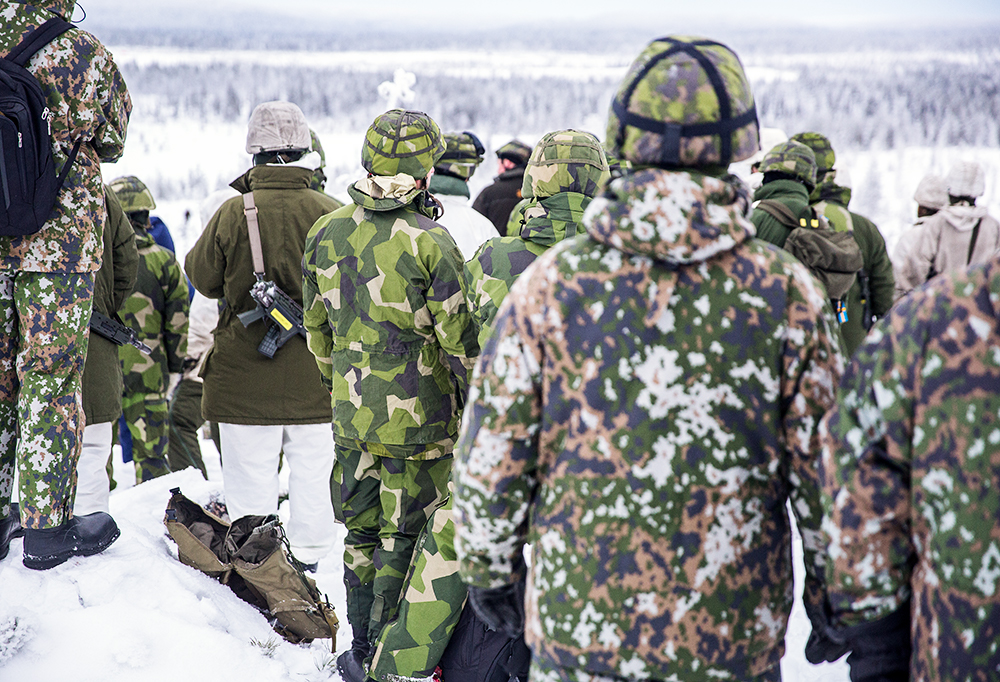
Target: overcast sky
[487,13]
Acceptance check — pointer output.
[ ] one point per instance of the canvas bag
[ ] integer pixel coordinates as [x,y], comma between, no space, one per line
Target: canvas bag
[29,186]
[252,557]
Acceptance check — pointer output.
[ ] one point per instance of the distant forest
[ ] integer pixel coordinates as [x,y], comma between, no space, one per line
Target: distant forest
[918,89]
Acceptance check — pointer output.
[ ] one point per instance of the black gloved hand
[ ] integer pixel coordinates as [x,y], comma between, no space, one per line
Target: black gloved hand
[881,649]
[501,608]
[824,644]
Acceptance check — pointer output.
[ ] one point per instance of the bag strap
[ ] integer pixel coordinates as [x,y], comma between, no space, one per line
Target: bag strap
[38,39]
[780,212]
[972,242]
[253,228]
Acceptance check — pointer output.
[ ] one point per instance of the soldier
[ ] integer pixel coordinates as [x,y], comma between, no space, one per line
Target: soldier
[317,182]
[870,297]
[960,234]
[789,175]
[102,371]
[268,405]
[931,196]
[46,290]
[498,200]
[564,173]
[910,473]
[450,186]
[157,311]
[648,402]
[392,335]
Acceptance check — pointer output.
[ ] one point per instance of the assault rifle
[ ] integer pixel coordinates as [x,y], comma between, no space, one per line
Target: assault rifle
[115,332]
[278,308]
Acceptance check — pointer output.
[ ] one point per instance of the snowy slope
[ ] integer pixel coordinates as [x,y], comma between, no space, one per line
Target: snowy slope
[136,614]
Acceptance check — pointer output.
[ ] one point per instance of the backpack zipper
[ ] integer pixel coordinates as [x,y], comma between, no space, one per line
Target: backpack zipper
[3,175]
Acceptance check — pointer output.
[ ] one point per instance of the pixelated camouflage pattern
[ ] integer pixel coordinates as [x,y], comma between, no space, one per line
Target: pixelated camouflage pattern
[146,416]
[461,157]
[433,598]
[910,468]
[499,261]
[647,404]
[400,141]
[822,150]
[677,90]
[384,295]
[132,194]
[384,500]
[565,161]
[516,151]
[43,343]
[87,95]
[792,158]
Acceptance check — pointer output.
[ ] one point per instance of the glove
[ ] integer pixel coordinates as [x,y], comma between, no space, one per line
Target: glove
[824,644]
[881,649]
[501,608]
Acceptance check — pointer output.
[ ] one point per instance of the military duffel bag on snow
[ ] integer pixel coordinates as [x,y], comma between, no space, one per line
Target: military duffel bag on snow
[253,558]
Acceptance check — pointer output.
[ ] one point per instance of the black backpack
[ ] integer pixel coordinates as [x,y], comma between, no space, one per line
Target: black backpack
[476,653]
[28,183]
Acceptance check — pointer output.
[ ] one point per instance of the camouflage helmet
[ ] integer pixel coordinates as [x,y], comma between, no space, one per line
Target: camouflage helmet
[515,151]
[132,194]
[794,159]
[684,102]
[463,154]
[401,141]
[565,161]
[822,150]
[277,127]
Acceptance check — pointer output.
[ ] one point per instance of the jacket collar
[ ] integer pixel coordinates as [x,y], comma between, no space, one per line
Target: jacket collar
[681,217]
[272,177]
[552,219]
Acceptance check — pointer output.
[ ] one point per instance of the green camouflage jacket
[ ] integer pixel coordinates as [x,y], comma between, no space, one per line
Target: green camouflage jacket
[87,94]
[102,370]
[910,469]
[158,311]
[831,200]
[499,261]
[790,193]
[649,400]
[385,309]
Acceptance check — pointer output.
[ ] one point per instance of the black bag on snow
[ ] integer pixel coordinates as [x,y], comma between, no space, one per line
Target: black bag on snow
[29,186]
[476,653]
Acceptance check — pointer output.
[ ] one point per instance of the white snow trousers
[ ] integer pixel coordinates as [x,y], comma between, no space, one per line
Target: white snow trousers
[93,487]
[250,457]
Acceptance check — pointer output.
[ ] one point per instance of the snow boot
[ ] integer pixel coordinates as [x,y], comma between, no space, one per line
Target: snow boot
[80,536]
[10,528]
[351,665]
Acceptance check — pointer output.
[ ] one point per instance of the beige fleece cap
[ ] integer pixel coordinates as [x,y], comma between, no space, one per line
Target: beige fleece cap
[966,179]
[277,126]
[932,192]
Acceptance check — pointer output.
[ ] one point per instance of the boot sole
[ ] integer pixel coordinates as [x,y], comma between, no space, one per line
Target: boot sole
[51,561]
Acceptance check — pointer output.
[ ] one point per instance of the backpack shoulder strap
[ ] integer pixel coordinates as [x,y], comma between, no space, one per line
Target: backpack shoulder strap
[972,242]
[38,39]
[253,229]
[780,212]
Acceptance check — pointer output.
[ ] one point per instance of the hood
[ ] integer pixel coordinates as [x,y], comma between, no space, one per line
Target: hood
[831,192]
[680,217]
[781,189]
[63,8]
[448,185]
[281,176]
[388,193]
[963,218]
[552,219]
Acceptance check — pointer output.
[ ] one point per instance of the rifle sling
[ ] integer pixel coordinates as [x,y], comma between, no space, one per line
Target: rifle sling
[972,242]
[253,228]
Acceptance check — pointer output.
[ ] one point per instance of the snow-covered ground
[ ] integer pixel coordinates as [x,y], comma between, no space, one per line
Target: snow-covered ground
[136,614]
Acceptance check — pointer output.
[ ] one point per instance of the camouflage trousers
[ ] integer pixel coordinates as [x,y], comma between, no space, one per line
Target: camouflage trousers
[44,332]
[145,417]
[184,418]
[546,671]
[385,501]
[410,646]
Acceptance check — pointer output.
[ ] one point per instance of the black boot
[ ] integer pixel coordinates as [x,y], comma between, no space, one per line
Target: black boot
[351,665]
[80,536]
[10,528]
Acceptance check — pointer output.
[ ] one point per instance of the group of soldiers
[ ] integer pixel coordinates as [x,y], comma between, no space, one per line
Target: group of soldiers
[575,415]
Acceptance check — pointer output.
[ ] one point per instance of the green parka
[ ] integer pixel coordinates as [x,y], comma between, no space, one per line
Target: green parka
[102,371]
[792,194]
[243,386]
